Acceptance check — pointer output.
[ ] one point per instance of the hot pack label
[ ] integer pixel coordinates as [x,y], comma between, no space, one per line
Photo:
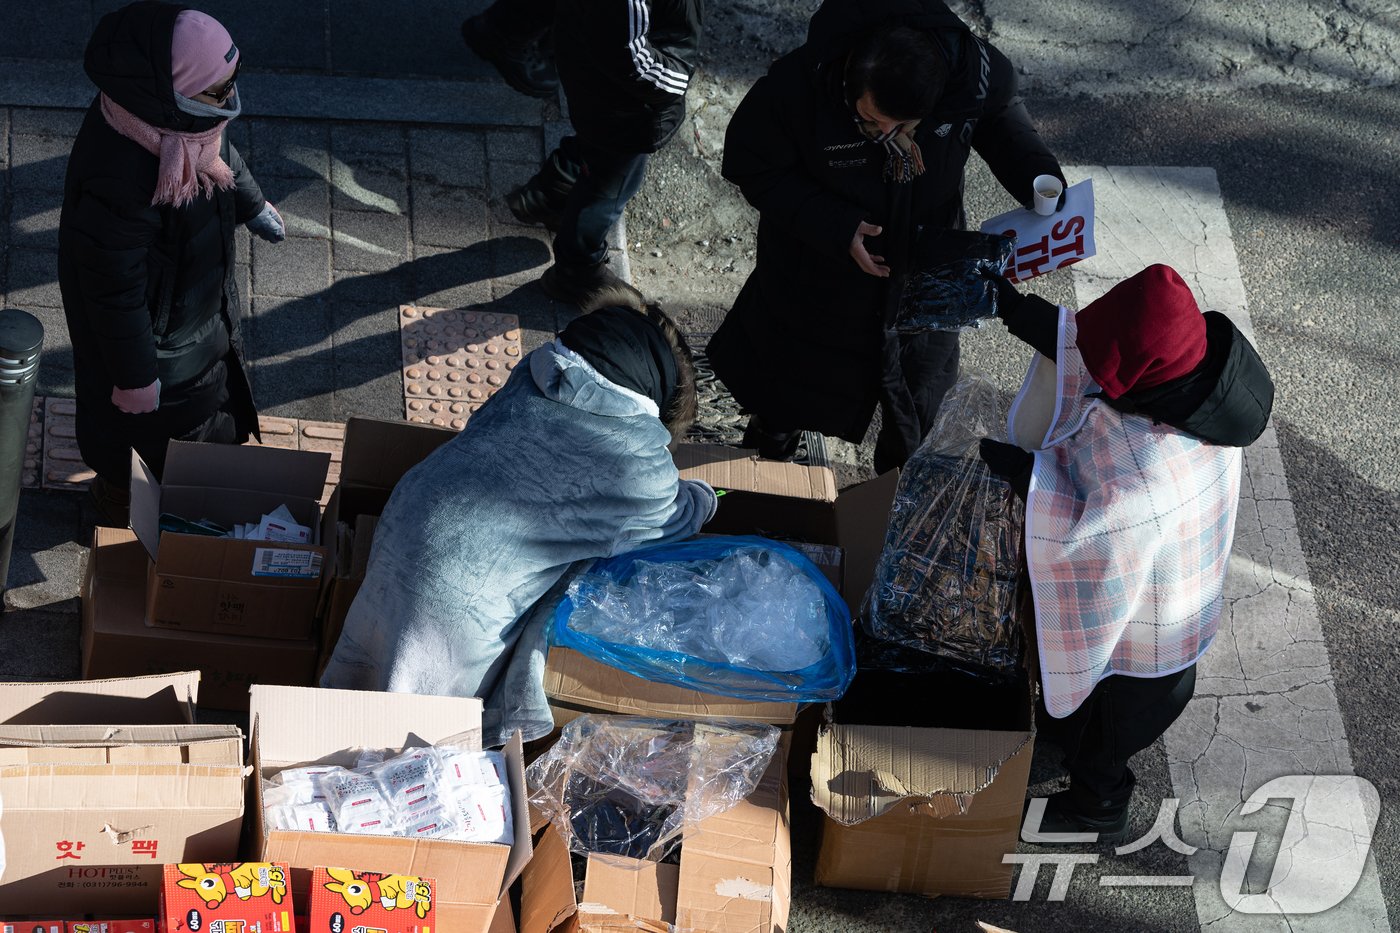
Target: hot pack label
[285,562]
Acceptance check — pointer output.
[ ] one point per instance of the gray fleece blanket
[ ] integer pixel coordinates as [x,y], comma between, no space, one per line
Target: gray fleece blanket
[559,468]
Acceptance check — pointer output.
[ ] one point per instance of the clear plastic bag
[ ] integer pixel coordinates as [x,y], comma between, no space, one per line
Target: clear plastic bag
[630,786]
[950,290]
[738,616]
[946,583]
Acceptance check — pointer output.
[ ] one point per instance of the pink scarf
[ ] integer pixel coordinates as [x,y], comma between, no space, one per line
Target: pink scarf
[189,162]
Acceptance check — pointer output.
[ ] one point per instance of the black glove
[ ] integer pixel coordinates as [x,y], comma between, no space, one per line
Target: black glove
[1007,298]
[1009,462]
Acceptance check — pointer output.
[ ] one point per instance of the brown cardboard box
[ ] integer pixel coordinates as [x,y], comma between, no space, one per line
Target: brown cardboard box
[765,497]
[928,810]
[117,642]
[91,812]
[735,876]
[224,585]
[376,456]
[294,726]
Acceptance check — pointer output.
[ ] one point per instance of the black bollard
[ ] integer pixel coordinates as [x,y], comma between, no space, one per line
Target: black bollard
[21,341]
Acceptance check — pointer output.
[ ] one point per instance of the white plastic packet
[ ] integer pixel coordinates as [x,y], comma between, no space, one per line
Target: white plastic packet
[484,813]
[358,804]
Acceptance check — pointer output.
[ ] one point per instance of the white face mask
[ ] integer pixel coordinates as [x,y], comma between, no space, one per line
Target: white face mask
[196,108]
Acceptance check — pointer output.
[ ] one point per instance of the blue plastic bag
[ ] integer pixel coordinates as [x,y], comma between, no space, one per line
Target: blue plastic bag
[824,679]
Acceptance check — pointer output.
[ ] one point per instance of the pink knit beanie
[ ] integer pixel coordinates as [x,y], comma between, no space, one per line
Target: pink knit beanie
[201,52]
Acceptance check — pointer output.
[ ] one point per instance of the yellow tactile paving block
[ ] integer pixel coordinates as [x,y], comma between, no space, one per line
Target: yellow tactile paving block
[454,360]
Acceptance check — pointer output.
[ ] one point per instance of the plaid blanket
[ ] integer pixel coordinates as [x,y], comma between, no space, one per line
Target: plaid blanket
[1128,531]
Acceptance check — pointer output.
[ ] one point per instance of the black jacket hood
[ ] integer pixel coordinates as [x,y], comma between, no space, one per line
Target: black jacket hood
[1227,403]
[128,58]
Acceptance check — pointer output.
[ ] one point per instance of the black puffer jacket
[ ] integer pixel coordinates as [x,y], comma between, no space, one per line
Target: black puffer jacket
[625,66]
[148,291]
[805,343]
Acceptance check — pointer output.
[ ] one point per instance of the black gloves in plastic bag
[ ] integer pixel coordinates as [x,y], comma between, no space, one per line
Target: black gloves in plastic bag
[953,285]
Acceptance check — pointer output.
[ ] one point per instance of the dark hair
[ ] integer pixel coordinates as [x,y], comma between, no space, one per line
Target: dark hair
[901,67]
[685,404]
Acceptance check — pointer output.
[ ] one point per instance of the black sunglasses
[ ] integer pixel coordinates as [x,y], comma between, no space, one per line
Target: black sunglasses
[223,93]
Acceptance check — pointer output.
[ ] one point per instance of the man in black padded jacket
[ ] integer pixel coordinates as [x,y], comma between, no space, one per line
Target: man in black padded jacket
[625,66]
[849,147]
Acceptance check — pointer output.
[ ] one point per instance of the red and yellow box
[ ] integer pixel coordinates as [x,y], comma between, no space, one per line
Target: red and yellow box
[31,926]
[111,926]
[345,900]
[227,897]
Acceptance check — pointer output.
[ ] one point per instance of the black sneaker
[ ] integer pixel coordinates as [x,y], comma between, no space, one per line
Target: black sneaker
[541,200]
[1070,812]
[526,69]
[578,284]
[771,444]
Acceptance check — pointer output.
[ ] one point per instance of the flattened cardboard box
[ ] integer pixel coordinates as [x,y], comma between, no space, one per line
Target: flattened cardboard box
[734,876]
[223,585]
[116,641]
[92,811]
[376,456]
[786,501]
[294,726]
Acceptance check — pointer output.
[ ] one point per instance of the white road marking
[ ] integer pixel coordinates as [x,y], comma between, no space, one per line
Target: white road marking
[1266,703]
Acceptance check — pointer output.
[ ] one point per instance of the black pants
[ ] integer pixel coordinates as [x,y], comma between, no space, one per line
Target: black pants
[1121,717]
[606,182]
[924,371]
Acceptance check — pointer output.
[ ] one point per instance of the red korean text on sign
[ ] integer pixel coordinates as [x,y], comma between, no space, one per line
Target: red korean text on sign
[65,850]
[1063,246]
[144,847]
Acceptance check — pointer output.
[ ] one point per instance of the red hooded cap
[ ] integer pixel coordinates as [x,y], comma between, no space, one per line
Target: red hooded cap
[1144,331]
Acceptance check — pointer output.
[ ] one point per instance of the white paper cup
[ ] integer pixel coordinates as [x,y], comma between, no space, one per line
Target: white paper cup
[1048,189]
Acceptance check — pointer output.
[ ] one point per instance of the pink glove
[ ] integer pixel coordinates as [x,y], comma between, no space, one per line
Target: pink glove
[137,401]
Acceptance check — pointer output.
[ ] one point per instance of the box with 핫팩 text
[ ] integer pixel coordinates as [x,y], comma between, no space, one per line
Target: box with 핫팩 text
[102,782]
[227,897]
[111,926]
[231,586]
[297,727]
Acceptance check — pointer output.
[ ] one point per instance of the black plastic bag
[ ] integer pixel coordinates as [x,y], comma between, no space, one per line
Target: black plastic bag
[945,588]
[949,289]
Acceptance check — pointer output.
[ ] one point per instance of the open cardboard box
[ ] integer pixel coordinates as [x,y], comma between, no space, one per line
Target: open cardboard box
[734,876]
[200,583]
[296,726]
[103,781]
[117,642]
[376,456]
[921,809]
[786,501]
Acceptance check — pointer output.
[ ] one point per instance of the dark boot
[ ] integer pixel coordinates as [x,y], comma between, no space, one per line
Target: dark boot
[771,444]
[1075,811]
[528,68]
[541,199]
[113,502]
[579,284]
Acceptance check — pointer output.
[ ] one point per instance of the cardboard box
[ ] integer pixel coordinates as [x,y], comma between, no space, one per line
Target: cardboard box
[116,641]
[376,456]
[227,897]
[91,811]
[734,876]
[778,500]
[232,587]
[293,727]
[925,809]
[343,898]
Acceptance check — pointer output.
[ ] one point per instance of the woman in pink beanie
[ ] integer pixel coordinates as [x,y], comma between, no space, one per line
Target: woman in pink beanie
[153,194]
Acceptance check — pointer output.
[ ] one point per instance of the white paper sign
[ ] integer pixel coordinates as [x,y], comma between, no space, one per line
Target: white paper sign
[1044,244]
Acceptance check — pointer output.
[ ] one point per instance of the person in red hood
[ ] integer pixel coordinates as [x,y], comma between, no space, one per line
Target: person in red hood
[146,267]
[1128,436]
